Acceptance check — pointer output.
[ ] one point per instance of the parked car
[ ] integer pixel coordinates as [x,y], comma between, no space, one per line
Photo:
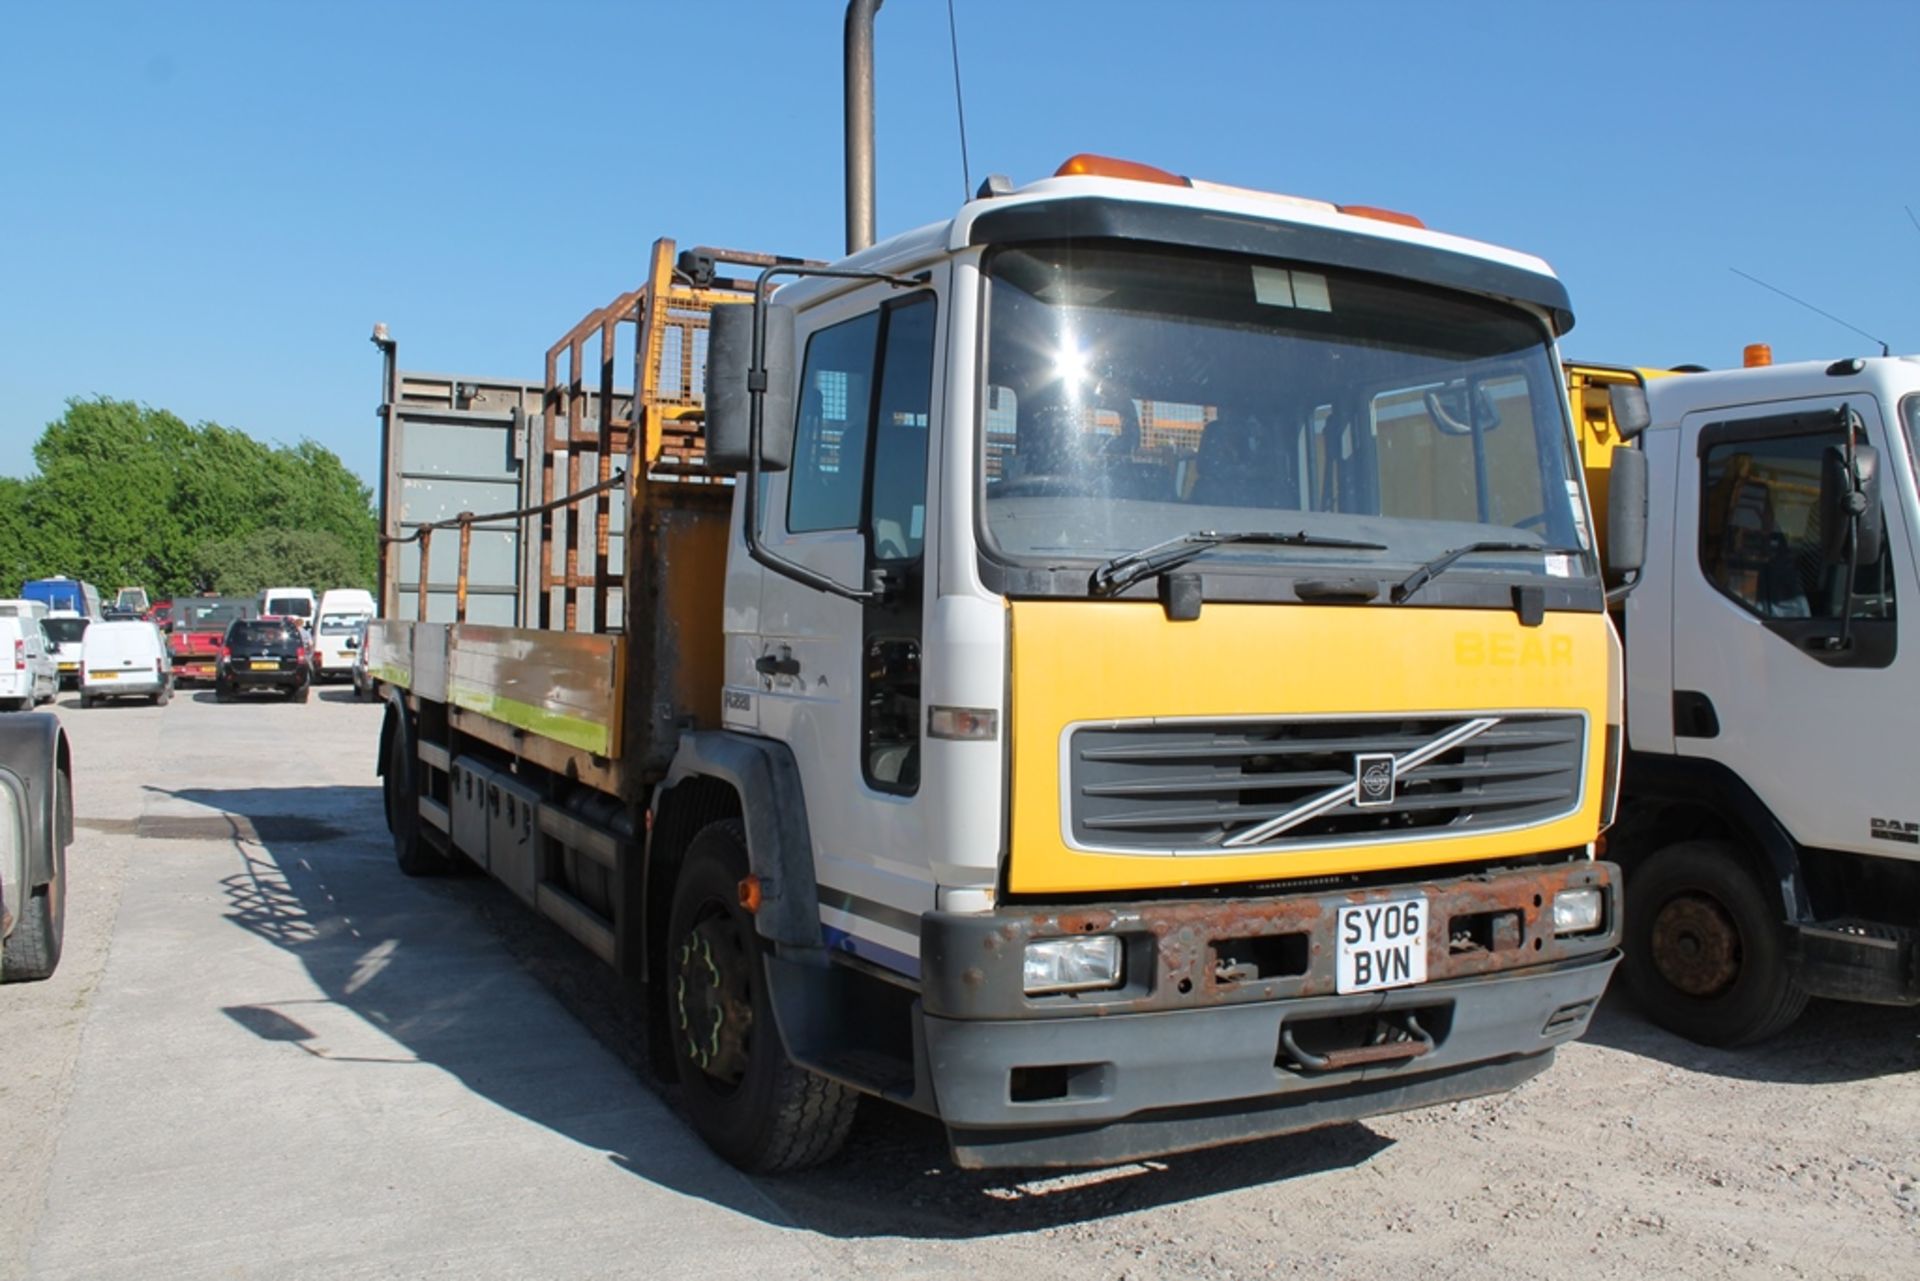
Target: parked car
[66,630]
[199,625]
[262,654]
[363,684]
[297,603]
[28,675]
[124,658]
[343,615]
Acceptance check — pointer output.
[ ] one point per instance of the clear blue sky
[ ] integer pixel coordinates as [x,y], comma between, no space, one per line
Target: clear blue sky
[205,206]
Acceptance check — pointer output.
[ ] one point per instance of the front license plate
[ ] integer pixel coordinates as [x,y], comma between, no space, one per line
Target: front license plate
[1382,945]
[264,667]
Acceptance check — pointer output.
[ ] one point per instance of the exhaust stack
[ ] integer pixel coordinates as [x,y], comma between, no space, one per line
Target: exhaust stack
[859,106]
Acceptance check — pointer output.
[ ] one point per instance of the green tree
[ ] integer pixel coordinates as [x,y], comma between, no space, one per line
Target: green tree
[243,565]
[131,494]
[19,547]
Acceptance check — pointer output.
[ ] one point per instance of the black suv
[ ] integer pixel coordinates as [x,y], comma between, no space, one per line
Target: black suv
[262,653]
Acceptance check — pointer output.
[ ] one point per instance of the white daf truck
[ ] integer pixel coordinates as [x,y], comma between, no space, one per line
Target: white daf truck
[1769,829]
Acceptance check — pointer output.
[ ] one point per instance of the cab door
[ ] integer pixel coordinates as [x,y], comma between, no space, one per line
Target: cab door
[1762,682]
[839,678]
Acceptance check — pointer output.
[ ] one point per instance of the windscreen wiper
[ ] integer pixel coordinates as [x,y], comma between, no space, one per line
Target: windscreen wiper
[1438,565]
[1116,575]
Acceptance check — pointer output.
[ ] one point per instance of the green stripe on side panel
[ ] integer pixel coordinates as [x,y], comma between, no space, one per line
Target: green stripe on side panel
[588,736]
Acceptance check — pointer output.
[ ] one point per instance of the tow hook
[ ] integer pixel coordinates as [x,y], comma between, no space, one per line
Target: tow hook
[1397,1037]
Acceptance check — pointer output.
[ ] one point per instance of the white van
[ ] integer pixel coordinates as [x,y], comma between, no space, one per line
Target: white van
[66,629]
[336,634]
[125,658]
[28,676]
[289,602]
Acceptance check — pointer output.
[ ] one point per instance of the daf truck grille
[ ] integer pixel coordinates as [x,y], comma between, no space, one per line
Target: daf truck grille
[1233,786]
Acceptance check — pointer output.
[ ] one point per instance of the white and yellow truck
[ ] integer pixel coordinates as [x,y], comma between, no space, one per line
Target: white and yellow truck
[1768,833]
[1122,669]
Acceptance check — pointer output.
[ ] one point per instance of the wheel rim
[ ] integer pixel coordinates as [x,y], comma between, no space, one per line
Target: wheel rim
[1696,945]
[713,998]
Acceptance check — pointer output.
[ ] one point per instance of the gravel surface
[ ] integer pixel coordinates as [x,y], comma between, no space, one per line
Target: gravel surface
[1636,1154]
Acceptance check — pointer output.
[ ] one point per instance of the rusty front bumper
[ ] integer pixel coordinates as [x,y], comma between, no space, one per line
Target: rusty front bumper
[1227,1025]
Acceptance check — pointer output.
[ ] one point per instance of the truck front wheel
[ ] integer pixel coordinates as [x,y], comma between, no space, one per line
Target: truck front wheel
[750,1104]
[1706,953]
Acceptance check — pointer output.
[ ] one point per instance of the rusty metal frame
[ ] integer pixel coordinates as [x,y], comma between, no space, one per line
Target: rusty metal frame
[661,435]
[465,522]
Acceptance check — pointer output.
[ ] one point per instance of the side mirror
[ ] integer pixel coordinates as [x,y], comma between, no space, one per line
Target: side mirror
[1626,512]
[730,404]
[1850,505]
[1631,413]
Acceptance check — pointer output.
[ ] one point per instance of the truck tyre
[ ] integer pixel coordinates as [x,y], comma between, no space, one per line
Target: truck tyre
[86,702]
[1706,952]
[164,696]
[410,848]
[221,694]
[749,1103]
[32,951]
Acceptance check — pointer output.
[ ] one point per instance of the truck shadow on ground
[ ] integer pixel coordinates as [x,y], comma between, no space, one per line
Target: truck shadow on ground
[418,960]
[1833,1041]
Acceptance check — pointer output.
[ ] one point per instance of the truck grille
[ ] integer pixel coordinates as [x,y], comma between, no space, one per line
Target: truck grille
[1228,786]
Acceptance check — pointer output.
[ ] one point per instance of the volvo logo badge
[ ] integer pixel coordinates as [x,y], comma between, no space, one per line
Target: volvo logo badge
[1373,779]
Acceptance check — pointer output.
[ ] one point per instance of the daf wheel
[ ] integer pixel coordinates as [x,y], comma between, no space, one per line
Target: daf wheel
[749,1103]
[1706,952]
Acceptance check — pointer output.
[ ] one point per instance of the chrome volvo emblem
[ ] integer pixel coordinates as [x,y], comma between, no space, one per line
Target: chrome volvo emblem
[1376,777]
[1373,779]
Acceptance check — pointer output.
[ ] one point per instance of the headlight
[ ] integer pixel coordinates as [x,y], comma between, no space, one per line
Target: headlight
[1072,965]
[1577,911]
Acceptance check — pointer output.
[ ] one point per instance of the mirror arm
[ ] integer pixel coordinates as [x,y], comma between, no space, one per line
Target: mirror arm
[756,409]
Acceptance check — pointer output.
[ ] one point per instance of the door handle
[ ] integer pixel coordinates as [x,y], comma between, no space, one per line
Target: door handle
[783,665]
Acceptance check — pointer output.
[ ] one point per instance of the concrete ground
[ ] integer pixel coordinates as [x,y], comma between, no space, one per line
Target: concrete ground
[277,1057]
[267,1054]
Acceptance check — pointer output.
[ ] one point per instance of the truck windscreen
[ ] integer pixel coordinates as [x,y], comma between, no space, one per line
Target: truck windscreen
[1136,394]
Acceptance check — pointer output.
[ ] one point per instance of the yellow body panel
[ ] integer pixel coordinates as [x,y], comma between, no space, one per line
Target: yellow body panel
[1599,436]
[1079,661]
